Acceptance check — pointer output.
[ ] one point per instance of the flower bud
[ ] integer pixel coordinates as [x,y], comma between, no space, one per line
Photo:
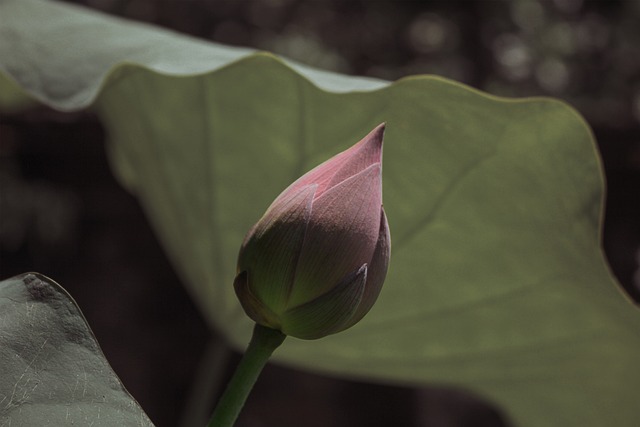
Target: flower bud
[314,264]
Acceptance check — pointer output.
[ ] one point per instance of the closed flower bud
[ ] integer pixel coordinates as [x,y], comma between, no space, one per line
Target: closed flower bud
[314,264]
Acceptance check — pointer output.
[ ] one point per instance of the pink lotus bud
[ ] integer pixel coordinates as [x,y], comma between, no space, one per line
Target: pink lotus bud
[314,264]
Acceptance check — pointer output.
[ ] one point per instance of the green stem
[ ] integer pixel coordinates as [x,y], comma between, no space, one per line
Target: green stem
[263,342]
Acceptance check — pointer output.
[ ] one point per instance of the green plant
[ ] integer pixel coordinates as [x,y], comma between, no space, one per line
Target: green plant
[497,283]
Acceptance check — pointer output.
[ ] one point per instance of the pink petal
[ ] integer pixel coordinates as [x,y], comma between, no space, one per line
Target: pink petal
[352,161]
[362,155]
[341,236]
[377,271]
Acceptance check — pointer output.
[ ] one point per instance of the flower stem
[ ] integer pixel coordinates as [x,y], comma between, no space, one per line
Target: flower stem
[263,342]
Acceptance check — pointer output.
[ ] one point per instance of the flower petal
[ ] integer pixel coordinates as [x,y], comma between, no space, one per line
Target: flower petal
[341,236]
[362,155]
[271,250]
[330,312]
[377,270]
[343,165]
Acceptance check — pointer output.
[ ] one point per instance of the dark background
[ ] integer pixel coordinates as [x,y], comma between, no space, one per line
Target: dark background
[63,214]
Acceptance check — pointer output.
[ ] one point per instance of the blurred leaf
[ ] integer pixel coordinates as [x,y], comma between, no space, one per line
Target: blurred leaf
[12,97]
[53,371]
[497,281]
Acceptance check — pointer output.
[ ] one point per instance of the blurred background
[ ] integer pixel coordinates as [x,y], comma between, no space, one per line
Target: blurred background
[63,214]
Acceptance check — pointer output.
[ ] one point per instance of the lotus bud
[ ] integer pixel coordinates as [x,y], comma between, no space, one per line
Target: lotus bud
[314,264]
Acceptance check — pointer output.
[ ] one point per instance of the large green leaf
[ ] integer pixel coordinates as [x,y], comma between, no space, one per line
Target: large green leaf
[52,370]
[497,280]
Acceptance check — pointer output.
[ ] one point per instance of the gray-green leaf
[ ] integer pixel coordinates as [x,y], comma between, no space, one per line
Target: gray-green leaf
[52,370]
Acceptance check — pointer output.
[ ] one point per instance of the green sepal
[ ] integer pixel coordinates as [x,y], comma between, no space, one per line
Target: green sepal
[254,308]
[329,313]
